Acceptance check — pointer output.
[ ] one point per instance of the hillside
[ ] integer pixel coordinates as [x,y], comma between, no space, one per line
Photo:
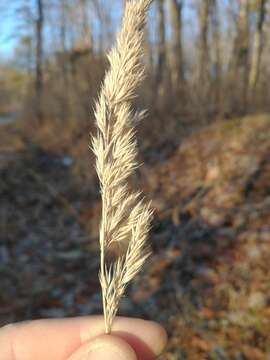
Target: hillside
[213,200]
[208,278]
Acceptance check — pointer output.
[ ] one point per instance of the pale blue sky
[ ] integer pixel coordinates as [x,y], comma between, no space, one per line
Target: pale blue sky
[9,24]
[7,29]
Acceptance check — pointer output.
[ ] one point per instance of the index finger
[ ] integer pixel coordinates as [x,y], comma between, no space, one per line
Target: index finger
[57,339]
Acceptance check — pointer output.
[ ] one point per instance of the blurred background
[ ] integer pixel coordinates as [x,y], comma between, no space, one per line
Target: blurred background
[205,145]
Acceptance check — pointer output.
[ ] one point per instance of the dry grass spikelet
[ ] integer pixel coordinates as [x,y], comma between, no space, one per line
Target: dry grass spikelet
[125,216]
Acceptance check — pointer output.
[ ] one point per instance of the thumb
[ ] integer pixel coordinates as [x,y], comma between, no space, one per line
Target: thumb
[105,347]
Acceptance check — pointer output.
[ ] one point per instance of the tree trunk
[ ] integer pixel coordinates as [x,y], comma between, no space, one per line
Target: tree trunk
[204,12]
[39,60]
[177,72]
[241,51]
[217,56]
[63,61]
[161,50]
[148,52]
[258,47]
[86,33]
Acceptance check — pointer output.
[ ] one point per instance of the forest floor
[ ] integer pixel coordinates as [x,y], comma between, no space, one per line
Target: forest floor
[208,279]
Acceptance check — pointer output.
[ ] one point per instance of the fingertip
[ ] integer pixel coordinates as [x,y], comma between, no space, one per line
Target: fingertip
[161,337]
[105,347]
[147,338]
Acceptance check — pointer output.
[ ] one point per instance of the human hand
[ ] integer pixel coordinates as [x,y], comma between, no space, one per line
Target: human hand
[82,338]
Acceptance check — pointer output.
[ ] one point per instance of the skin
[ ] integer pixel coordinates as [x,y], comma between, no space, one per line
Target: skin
[77,338]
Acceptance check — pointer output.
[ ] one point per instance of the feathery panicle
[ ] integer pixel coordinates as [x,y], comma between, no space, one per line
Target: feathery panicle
[125,217]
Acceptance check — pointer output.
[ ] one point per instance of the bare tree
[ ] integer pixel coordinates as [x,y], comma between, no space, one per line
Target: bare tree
[86,40]
[240,58]
[161,47]
[257,46]
[103,10]
[148,51]
[63,59]
[39,59]
[176,57]
[217,66]
[204,16]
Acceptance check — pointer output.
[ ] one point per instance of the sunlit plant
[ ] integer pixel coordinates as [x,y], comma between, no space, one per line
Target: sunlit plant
[125,218]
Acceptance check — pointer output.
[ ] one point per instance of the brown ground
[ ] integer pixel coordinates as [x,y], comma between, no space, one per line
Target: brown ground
[208,278]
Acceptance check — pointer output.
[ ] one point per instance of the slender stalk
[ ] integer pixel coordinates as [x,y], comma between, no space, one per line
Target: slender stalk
[125,218]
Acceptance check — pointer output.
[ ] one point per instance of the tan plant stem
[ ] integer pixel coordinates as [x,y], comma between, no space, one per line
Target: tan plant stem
[125,217]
